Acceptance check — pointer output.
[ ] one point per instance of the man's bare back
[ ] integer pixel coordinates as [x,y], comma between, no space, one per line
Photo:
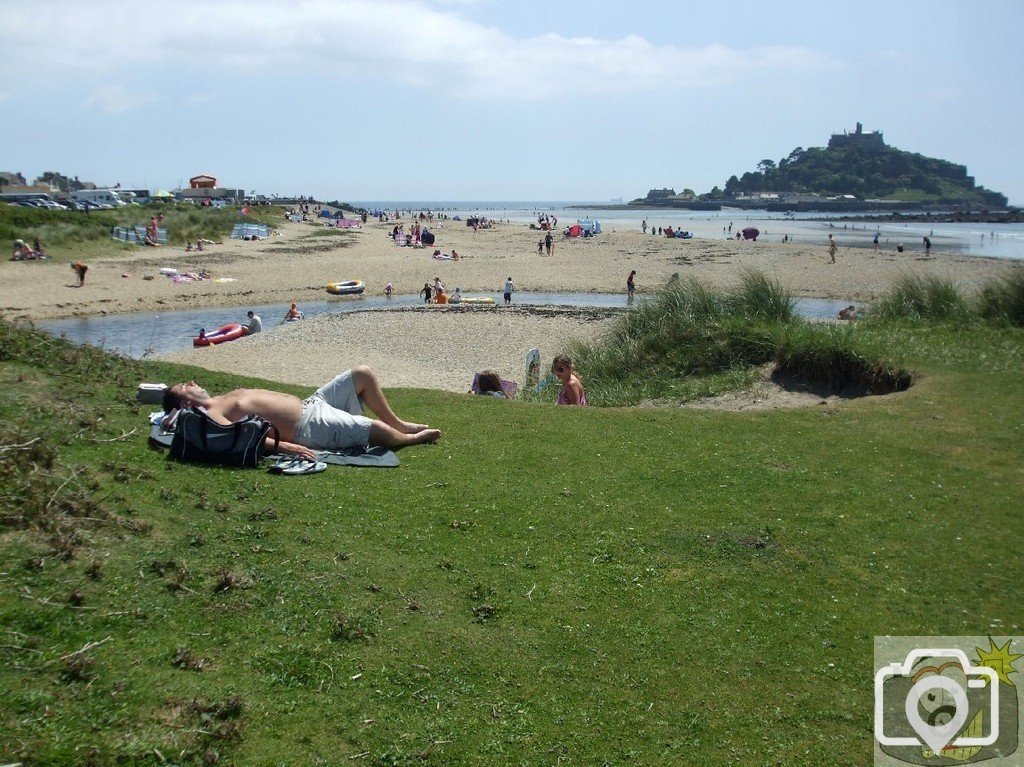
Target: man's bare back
[282,410]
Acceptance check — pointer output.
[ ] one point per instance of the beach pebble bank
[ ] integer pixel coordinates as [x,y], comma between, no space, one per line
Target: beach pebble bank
[431,348]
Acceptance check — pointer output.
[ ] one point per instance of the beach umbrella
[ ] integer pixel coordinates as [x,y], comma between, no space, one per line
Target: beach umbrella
[750,233]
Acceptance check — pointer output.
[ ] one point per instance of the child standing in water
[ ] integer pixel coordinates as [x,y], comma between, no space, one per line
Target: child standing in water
[572,392]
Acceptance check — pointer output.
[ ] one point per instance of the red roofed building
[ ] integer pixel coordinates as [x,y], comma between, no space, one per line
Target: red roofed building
[202,182]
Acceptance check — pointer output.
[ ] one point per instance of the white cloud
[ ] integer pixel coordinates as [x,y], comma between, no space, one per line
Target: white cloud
[401,40]
[114,99]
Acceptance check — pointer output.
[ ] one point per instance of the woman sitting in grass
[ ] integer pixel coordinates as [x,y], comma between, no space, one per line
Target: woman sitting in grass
[572,392]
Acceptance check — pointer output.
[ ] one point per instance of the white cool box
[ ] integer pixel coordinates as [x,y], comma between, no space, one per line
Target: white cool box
[151,393]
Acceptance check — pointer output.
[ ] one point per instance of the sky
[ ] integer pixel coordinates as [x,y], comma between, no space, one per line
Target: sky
[376,100]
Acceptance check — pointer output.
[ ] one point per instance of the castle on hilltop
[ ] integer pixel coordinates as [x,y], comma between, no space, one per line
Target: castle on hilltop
[872,141]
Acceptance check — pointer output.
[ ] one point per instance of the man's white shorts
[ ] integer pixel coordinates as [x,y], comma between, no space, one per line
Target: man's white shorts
[332,419]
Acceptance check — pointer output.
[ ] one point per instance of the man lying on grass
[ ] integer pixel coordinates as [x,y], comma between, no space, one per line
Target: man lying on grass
[331,419]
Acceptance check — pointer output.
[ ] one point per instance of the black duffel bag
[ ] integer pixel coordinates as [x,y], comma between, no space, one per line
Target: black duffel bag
[200,439]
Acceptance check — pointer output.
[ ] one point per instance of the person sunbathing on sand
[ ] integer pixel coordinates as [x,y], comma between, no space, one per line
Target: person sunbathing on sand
[330,419]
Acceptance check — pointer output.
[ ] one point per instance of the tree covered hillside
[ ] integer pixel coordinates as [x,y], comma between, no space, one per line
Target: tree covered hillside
[869,170]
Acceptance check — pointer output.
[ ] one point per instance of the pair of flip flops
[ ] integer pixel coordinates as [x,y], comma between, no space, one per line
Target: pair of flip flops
[293,466]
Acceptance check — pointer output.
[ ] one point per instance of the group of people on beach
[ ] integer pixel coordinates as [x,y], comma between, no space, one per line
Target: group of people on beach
[433,293]
[201,243]
[418,236]
[332,417]
[24,252]
[437,293]
[254,322]
[488,383]
[833,246]
[546,243]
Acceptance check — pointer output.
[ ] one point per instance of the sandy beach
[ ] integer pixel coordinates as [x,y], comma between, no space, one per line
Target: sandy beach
[435,348]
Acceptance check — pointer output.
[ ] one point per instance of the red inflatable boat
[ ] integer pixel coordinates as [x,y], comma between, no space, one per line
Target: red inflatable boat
[220,335]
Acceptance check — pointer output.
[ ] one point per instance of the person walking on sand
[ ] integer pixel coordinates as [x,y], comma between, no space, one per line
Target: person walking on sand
[549,242]
[832,249]
[630,285]
[427,292]
[927,246]
[508,290]
[540,247]
[643,226]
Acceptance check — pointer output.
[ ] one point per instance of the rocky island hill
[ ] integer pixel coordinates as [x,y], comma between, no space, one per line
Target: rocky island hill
[856,171]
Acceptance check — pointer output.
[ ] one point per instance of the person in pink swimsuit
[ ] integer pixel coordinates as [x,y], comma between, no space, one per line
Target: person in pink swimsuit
[572,392]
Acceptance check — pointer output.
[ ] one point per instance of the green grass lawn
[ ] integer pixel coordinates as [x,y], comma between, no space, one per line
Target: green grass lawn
[546,585]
